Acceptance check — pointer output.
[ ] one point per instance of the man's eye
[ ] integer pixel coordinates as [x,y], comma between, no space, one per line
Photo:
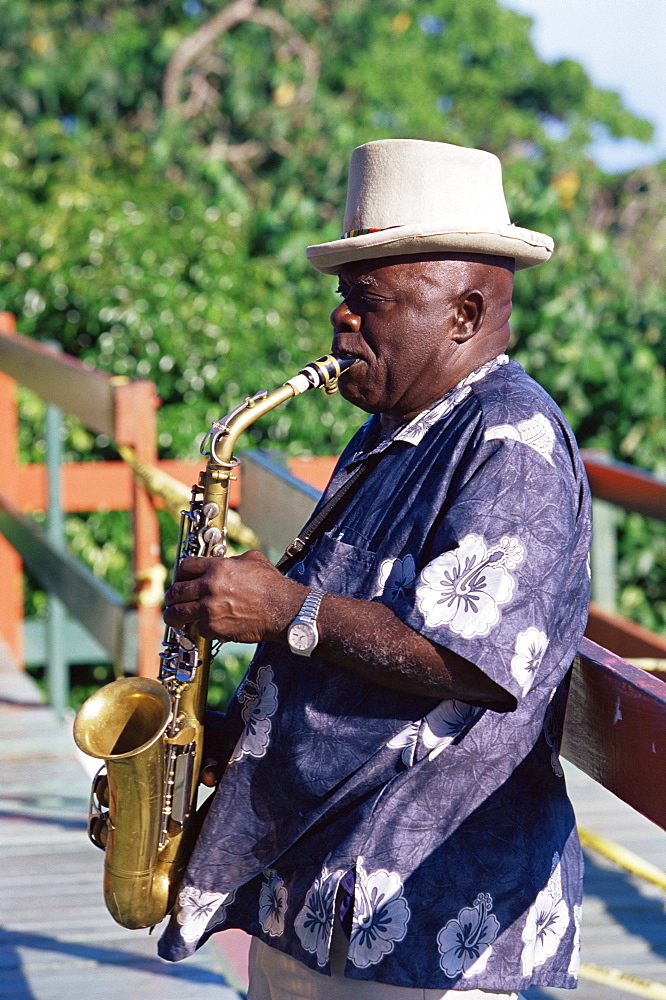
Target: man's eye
[358,296]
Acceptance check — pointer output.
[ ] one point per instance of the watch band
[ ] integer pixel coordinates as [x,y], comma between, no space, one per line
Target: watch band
[310,606]
[302,634]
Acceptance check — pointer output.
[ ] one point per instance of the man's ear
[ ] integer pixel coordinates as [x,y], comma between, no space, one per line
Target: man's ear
[469,312]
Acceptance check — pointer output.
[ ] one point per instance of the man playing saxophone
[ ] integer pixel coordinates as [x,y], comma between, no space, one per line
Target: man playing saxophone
[391,809]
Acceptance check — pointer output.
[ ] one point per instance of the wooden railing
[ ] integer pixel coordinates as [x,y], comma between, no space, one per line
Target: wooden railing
[124,412]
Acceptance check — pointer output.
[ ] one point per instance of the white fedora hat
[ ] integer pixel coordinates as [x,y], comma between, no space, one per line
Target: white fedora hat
[408,196]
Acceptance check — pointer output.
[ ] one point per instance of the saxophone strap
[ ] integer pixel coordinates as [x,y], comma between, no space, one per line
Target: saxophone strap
[324,518]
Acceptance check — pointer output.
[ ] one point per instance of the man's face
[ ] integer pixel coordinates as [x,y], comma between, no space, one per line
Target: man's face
[396,317]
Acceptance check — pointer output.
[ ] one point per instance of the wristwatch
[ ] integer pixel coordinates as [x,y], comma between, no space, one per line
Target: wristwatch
[302,634]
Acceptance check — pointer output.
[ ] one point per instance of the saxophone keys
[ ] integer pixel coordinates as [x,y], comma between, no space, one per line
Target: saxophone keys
[100,788]
[98,812]
[183,737]
[98,831]
[211,536]
[184,641]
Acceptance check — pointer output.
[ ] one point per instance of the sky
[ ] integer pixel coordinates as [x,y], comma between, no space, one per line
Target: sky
[622,46]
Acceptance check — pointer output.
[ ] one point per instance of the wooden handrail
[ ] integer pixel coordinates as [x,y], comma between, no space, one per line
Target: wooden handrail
[625,637]
[67,383]
[90,600]
[625,485]
[615,728]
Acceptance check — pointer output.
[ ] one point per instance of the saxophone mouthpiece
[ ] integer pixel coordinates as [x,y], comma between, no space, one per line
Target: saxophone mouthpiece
[342,364]
[324,372]
[320,374]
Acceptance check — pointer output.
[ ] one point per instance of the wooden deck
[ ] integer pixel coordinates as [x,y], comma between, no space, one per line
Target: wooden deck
[57,941]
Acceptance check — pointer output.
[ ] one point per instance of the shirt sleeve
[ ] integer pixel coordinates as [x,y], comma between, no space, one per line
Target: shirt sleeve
[503,582]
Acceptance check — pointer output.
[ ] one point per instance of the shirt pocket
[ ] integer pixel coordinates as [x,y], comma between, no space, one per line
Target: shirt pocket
[337,567]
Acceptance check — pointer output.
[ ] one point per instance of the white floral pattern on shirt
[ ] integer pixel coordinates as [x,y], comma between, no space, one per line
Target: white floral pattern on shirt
[396,577]
[272,904]
[314,922]
[381,915]
[465,943]
[531,644]
[464,588]
[259,699]
[547,920]
[437,729]
[445,723]
[195,907]
[536,432]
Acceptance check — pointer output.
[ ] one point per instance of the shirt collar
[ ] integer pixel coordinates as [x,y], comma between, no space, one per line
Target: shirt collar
[373,440]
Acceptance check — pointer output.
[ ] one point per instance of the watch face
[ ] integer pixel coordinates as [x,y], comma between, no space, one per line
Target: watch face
[302,637]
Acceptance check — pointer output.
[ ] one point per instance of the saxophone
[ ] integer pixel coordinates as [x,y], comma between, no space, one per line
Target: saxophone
[149,733]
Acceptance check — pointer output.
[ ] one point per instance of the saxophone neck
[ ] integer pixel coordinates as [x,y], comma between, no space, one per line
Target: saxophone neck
[221,439]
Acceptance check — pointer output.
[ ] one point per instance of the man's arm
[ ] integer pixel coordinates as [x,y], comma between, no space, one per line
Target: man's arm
[246,599]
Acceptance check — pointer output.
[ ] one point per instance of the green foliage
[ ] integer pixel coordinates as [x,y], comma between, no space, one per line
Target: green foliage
[226,673]
[130,236]
[84,681]
[161,287]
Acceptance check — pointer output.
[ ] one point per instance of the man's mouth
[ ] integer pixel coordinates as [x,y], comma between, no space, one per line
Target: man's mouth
[347,355]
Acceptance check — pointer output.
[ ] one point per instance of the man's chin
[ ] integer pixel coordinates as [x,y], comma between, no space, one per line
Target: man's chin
[355,393]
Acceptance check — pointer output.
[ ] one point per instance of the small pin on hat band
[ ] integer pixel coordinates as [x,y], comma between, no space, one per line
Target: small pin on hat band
[364,232]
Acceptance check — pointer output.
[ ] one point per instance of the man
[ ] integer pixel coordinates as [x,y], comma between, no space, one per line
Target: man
[393,820]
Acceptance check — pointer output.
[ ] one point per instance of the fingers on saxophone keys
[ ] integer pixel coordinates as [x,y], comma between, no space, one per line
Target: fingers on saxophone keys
[180,614]
[192,567]
[184,591]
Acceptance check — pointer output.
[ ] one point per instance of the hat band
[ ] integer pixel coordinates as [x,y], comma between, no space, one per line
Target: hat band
[364,232]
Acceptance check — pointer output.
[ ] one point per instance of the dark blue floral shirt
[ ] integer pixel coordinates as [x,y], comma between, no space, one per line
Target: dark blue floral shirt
[474,527]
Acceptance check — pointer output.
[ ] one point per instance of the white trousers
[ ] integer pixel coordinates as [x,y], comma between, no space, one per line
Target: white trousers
[276,976]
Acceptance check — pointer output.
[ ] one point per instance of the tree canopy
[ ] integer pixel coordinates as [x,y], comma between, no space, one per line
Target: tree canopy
[164,164]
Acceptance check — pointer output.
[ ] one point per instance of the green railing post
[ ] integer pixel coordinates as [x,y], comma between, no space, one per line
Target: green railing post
[57,667]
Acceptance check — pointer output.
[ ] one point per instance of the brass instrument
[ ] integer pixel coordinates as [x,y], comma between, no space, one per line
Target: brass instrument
[150,732]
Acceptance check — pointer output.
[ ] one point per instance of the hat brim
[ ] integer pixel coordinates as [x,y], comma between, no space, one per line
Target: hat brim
[524,246]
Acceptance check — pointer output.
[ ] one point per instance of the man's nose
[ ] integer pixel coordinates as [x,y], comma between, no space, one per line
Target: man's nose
[342,318]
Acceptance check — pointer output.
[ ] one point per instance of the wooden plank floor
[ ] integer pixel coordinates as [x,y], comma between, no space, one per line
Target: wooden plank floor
[57,941]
